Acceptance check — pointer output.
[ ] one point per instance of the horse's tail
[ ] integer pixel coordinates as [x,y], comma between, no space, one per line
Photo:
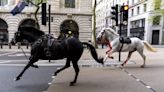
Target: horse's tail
[93,52]
[149,47]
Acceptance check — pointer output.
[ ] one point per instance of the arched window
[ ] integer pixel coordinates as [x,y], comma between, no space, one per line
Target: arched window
[3,32]
[70,25]
[69,3]
[29,22]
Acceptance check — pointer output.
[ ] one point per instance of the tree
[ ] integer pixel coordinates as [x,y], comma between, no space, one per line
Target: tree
[157,7]
[37,4]
[94,23]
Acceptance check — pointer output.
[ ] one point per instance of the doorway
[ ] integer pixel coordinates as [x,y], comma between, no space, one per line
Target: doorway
[155,37]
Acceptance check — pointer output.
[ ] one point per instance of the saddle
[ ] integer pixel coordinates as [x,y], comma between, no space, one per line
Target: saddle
[125,40]
[48,41]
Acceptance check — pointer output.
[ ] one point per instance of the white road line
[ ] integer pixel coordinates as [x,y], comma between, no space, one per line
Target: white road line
[12,60]
[7,53]
[7,61]
[20,54]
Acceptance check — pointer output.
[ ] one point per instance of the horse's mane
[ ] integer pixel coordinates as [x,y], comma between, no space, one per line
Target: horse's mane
[111,30]
[32,30]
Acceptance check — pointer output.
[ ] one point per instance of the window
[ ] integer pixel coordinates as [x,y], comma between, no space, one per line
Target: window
[138,10]
[132,12]
[70,3]
[3,2]
[156,20]
[145,7]
[132,2]
[143,23]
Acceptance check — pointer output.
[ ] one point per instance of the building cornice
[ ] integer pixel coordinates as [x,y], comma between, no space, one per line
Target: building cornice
[138,3]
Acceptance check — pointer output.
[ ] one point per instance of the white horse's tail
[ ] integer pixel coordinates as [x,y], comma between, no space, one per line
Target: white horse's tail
[149,47]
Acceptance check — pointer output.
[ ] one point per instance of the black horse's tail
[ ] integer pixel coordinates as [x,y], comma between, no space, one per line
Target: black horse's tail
[93,52]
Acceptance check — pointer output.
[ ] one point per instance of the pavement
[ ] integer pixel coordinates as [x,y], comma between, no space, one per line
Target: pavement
[108,78]
[34,80]
[96,80]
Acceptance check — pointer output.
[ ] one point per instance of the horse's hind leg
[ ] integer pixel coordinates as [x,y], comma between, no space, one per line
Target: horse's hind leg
[31,62]
[129,56]
[66,66]
[143,56]
[76,68]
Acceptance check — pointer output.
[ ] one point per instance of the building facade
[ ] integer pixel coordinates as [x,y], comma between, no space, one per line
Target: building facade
[145,21]
[75,15]
[103,11]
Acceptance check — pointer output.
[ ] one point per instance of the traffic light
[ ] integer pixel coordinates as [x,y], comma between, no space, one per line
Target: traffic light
[114,13]
[125,13]
[44,14]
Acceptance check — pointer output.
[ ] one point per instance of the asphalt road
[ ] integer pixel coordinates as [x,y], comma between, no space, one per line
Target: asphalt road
[34,80]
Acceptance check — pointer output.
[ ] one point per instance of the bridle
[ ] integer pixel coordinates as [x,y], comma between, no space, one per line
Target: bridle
[102,33]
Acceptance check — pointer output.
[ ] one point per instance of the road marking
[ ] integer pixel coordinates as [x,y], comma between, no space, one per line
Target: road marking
[20,54]
[12,60]
[7,53]
[138,80]
[7,61]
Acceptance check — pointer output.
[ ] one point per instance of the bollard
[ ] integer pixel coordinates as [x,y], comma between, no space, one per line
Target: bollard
[18,45]
[27,45]
[9,46]
[1,46]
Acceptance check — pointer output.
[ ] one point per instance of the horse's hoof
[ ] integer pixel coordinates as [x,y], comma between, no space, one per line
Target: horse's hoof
[72,84]
[16,79]
[55,74]
[35,66]
[111,57]
[142,66]
[122,64]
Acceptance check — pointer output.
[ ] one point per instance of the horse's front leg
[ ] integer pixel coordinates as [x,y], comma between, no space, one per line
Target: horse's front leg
[129,56]
[108,55]
[31,62]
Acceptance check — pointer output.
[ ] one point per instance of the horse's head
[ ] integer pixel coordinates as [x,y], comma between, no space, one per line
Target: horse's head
[16,38]
[106,34]
[27,33]
[100,35]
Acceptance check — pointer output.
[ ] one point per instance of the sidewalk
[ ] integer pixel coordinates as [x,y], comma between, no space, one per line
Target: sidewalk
[96,80]
[109,79]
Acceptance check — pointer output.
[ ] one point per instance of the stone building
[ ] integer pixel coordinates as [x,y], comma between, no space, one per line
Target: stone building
[75,15]
[145,19]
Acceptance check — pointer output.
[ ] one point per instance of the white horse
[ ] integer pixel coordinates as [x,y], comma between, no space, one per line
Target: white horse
[108,34]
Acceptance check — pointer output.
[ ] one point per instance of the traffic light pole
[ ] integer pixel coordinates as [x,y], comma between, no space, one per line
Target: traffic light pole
[49,22]
[120,28]
[49,19]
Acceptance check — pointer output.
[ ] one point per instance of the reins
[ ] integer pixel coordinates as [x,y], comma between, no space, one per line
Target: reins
[24,52]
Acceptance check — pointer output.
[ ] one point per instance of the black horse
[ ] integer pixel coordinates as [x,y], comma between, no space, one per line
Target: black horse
[69,48]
